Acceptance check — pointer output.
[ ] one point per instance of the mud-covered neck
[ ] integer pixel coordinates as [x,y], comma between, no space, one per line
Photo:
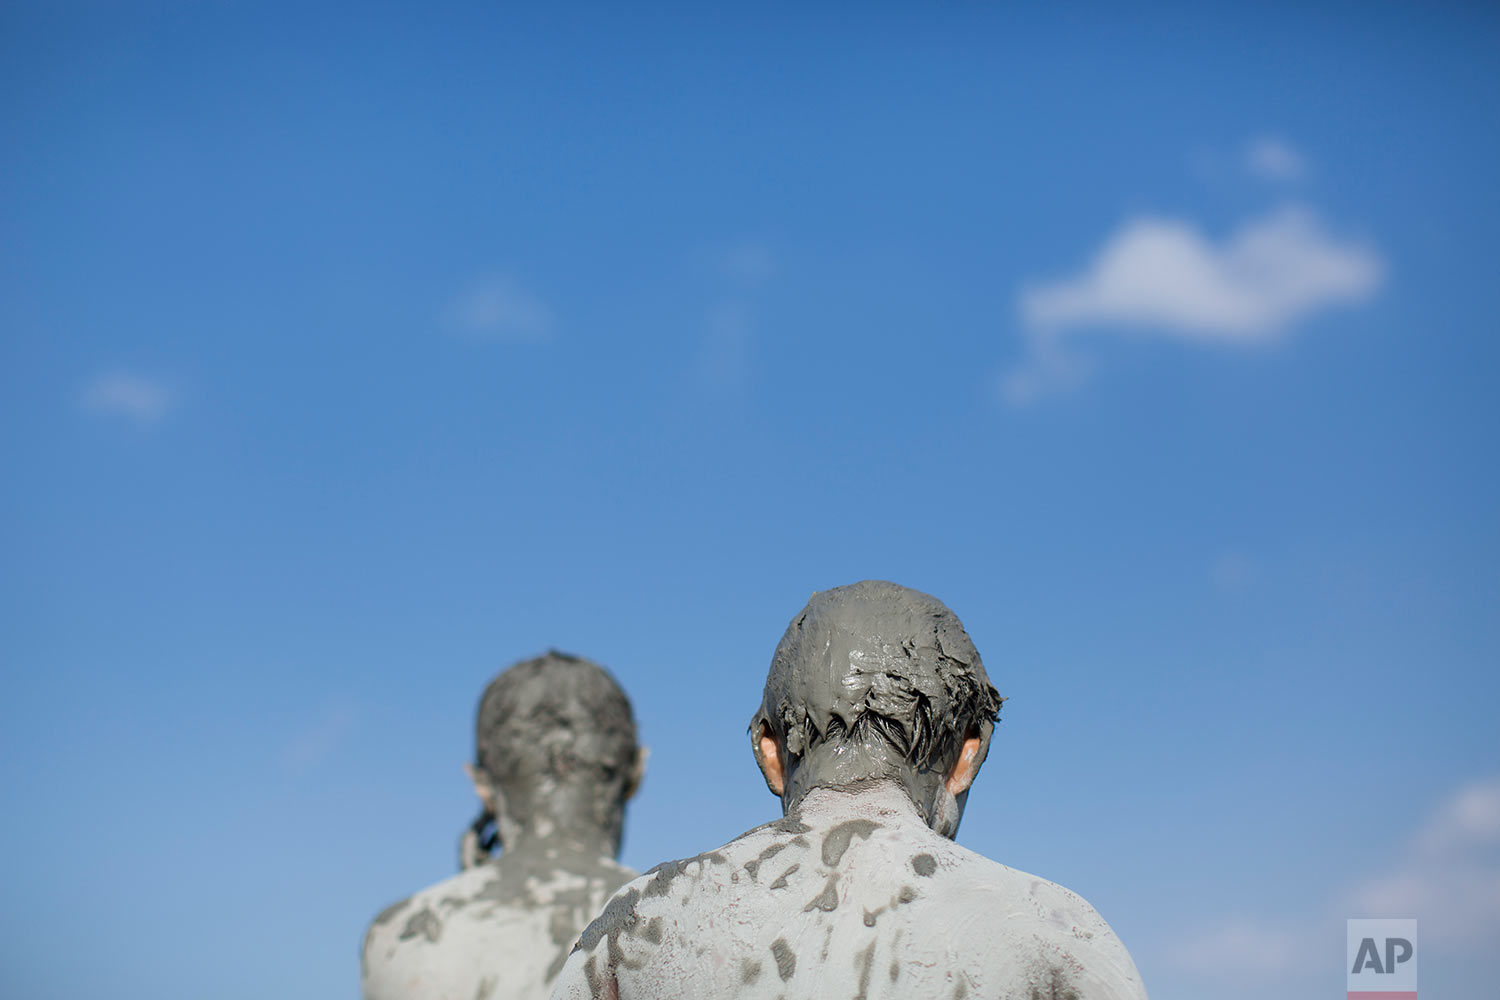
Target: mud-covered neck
[875,797]
[587,817]
[858,766]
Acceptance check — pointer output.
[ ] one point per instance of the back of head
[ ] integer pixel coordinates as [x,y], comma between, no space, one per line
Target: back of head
[556,742]
[875,681]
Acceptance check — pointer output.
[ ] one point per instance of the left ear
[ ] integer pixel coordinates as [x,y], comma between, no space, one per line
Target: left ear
[970,756]
[637,772]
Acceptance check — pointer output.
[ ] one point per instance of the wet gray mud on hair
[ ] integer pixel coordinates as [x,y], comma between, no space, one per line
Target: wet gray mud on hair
[876,681]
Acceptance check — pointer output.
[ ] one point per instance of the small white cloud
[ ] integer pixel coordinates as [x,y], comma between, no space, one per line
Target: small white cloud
[1163,277]
[136,398]
[502,308]
[1275,159]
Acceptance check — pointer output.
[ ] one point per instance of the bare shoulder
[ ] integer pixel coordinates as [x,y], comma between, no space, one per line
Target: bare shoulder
[506,926]
[1065,947]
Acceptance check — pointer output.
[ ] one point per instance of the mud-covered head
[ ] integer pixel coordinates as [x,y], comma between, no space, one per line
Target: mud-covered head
[555,748]
[876,681]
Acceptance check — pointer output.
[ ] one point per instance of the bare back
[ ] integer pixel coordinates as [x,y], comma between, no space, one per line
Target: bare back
[500,931]
[851,895]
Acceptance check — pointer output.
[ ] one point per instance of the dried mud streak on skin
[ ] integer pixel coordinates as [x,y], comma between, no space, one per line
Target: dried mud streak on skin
[749,971]
[895,959]
[786,959]
[753,866]
[781,882]
[424,923]
[961,990]
[389,913]
[924,865]
[837,840]
[486,987]
[864,971]
[828,899]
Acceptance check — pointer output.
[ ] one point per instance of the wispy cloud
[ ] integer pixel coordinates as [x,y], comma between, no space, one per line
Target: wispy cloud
[749,262]
[319,739]
[1253,949]
[725,354]
[1449,878]
[1163,277]
[136,398]
[500,307]
[1275,159]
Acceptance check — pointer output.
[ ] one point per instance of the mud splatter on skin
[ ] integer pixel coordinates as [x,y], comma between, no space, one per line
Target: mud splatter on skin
[423,923]
[1054,984]
[786,959]
[781,882]
[753,866]
[961,990]
[837,840]
[924,865]
[863,961]
[749,971]
[389,913]
[486,987]
[828,899]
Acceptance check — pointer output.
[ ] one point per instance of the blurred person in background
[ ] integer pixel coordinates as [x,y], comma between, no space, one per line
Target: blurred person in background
[556,758]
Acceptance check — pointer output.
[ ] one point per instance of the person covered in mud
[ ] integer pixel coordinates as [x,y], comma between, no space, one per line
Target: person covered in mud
[877,716]
[556,759]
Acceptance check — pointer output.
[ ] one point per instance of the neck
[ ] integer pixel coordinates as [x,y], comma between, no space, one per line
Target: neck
[856,766]
[545,835]
[884,797]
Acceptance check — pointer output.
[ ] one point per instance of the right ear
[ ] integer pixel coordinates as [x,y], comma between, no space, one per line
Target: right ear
[768,758]
[637,772]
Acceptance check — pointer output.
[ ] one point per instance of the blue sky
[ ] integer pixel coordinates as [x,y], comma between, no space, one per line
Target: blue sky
[352,353]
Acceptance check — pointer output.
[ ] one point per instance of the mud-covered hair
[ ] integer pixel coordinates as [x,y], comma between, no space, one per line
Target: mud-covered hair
[550,723]
[556,715]
[877,659]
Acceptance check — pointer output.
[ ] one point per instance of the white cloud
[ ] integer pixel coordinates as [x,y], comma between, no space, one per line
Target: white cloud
[136,398]
[1449,879]
[502,308]
[1163,277]
[1274,159]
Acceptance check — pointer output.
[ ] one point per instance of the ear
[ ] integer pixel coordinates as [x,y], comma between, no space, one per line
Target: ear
[966,767]
[483,786]
[768,758]
[637,772]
